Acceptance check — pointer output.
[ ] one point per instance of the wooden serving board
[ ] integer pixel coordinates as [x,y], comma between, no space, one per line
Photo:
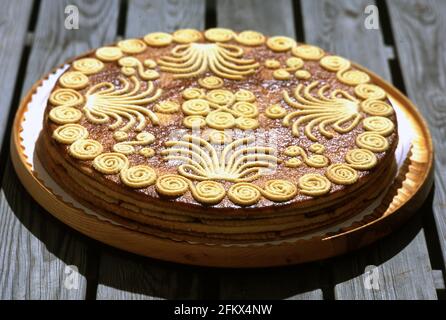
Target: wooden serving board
[404,197]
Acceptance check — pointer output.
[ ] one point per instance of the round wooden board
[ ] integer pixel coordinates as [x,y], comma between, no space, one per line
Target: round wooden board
[402,202]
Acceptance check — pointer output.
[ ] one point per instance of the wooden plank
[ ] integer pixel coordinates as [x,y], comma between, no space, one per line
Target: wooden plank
[300,282]
[419,30]
[339,27]
[122,276]
[270,17]
[157,15]
[36,250]
[13,37]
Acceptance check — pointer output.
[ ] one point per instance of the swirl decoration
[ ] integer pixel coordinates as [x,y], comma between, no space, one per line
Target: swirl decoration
[281,74]
[194,59]
[85,149]
[341,173]
[236,162]
[344,73]
[250,38]
[376,108]
[337,110]
[208,192]
[372,141]
[105,102]
[131,66]
[317,148]
[109,54]
[132,46]
[218,137]
[315,161]
[194,122]
[219,34]
[272,63]
[211,82]
[303,74]
[171,185]
[69,133]
[147,152]
[280,43]
[110,163]
[158,39]
[186,36]
[244,194]
[361,159]
[127,147]
[380,125]
[73,80]
[64,115]
[293,163]
[66,98]
[294,63]
[140,176]
[279,190]
[88,65]
[167,106]
[307,52]
[221,109]
[314,184]
[370,91]
[120,135]
[275,111]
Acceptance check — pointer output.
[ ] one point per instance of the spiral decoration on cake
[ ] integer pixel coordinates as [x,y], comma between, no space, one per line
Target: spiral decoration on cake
[219,34]
[244,193]
[370,91]
[192,122]
[193,93]
[308,52]
[198,107]
[376,108]
[109,54]
[158,39]
[211,82]
[314,184]
[73,80]
[220,96]
[245,95]
[220,120]
[279,190]
[138,176]
[186,36]
[372,141]
[246,123]
[275,111]
[167,106]
[66,98]
[110,162]
[250,38]
[280,43]
[334,63]
[171,185]
[294,63]
[208,192]
[64,115]
[341,173]
[361,159]
[315,161]
[69,133]
[88,65]
[85,149]
[246,109]
[132,46]
[380,125]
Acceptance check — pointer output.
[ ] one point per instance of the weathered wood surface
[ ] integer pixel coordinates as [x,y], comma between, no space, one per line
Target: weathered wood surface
[270,17]
[13,37]
[300,282]
[123,276]
[35,249]
[419,29]
[338,26]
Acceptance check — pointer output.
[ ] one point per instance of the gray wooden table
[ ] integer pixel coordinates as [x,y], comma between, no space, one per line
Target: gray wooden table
[38,253]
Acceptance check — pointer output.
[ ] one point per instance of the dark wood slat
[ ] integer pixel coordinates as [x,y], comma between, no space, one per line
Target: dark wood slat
[35,248]
[13,37]
[300,282]
[129,277]
[157,15]
[419,29]
[338,26]
[270,17]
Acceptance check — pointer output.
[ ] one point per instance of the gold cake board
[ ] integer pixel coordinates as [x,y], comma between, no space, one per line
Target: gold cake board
[401,203]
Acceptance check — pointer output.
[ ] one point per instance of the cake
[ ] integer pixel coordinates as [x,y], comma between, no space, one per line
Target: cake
[219,136]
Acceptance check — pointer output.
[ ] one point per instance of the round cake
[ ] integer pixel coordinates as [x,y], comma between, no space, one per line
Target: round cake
[219,136]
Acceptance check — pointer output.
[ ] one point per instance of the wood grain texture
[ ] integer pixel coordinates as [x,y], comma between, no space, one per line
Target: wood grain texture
[270,17]
[127,276]
[419,29]
[13,37]
[146,16]
[300,282]
[35,248]
[338,26]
